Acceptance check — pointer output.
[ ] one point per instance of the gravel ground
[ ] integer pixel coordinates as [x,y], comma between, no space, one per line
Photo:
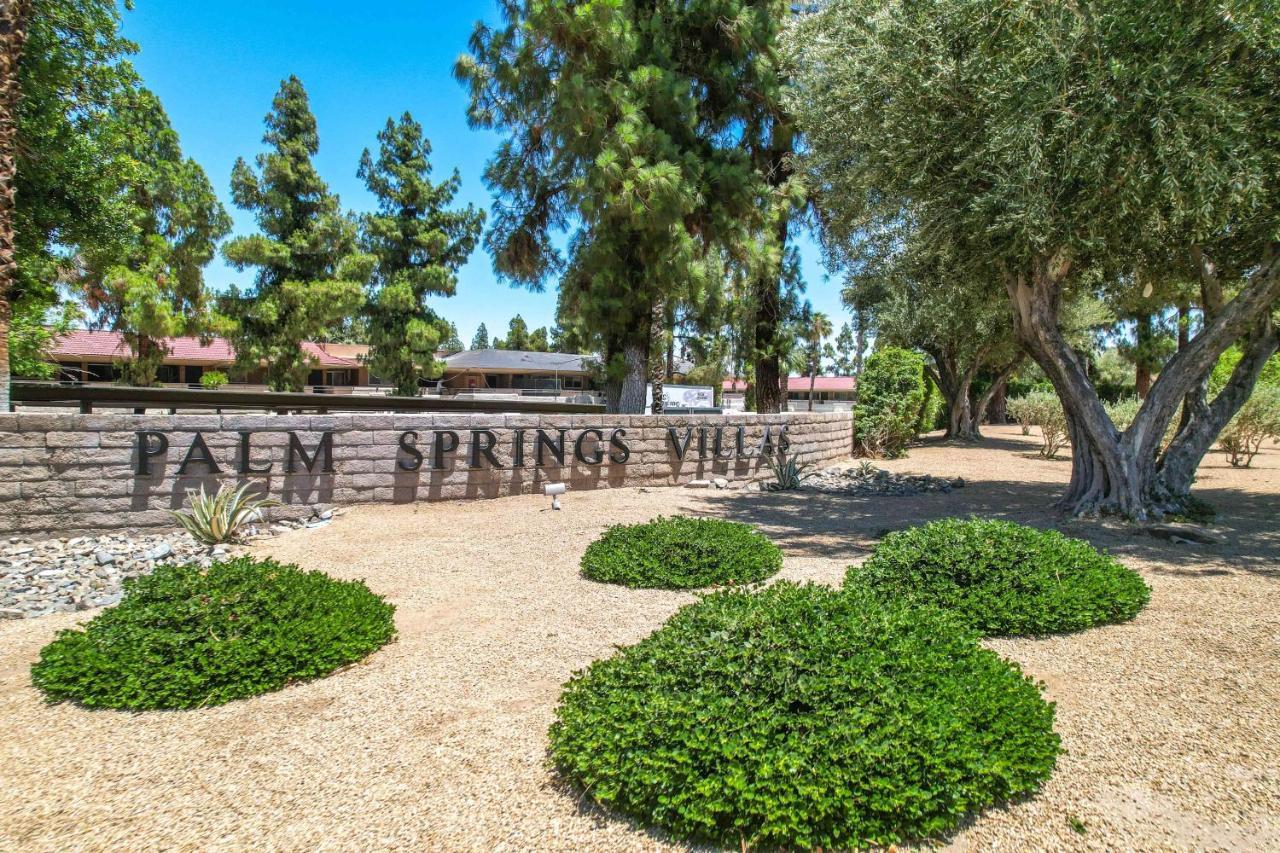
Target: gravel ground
[39,577]
[438,741]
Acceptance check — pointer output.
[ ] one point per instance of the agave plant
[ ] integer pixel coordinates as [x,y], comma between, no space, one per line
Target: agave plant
[214,519]
[867,468]
[788,472]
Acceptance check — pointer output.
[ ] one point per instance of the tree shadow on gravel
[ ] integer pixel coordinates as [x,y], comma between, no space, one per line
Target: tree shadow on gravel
[815,524]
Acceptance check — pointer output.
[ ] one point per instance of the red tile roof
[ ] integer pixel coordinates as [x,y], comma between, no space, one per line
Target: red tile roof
[83,343]
[801,383]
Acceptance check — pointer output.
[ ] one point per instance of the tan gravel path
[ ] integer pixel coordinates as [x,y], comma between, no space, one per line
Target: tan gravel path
[1171,723]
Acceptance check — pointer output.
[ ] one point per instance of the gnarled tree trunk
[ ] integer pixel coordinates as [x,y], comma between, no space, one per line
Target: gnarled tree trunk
[956,385]
[14,15]
[995,392]
[1177,468]
[1114,472]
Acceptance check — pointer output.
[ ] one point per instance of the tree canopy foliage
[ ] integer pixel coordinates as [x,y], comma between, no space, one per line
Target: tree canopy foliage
[152,287]
[1069,147]
[626,126]
[63,66]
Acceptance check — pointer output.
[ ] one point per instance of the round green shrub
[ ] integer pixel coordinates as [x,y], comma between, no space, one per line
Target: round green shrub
[1003,579]
[681,553]
[184,637]
[804,717]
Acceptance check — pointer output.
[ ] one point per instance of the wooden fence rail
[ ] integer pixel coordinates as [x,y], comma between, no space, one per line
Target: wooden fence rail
[173,399]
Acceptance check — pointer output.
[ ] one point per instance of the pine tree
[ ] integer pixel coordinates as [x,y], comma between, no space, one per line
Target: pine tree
[420,244]
[452,343]
[309,273]
[621,122]
[481,340]
[842,352]
[517,336]
[154,288]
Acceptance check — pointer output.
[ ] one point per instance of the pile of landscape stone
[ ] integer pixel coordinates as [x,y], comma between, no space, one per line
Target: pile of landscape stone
[869,480]
[43,576]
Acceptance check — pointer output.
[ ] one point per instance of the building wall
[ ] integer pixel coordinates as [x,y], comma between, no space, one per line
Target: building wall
[71,473]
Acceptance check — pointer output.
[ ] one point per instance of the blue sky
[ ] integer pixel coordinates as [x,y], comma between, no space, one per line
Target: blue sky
[217,64]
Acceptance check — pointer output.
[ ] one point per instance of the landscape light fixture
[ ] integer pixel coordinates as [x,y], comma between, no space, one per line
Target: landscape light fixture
[555,490]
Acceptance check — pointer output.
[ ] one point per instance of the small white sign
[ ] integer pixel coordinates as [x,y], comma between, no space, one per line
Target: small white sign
[683,397]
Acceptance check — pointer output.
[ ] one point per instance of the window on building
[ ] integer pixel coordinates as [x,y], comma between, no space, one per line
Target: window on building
[193,372]
[168,373]
[100,373]
[315,377]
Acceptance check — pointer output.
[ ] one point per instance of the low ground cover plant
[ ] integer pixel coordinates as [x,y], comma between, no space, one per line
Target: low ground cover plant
[803,717]
[185,637]
[1002,579]
[681,553]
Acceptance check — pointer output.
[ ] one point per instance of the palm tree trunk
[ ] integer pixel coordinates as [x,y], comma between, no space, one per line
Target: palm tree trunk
[657,367]
[813,379]
[14,15]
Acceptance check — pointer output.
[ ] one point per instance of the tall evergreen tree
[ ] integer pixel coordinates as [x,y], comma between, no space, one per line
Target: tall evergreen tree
[481,339]
[154,288]
[517,335]
[309,272]
[452,343]
[420,244]
[843,352]
[620,119]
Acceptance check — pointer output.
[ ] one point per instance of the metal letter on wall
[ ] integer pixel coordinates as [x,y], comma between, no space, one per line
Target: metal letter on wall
[147,451]
[199,452]
[411,448]
[323,453]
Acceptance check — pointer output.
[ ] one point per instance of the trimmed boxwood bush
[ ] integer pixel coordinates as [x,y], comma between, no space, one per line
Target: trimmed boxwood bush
[681,553]
[1003,578]
[803,717]
[184,637]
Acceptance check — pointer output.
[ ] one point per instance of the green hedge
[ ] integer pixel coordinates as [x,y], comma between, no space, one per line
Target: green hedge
[803,717]
[183,637]
[681,553]
[1002,578]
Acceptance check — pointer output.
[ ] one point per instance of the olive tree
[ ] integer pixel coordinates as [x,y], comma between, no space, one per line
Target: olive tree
[1065,144]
